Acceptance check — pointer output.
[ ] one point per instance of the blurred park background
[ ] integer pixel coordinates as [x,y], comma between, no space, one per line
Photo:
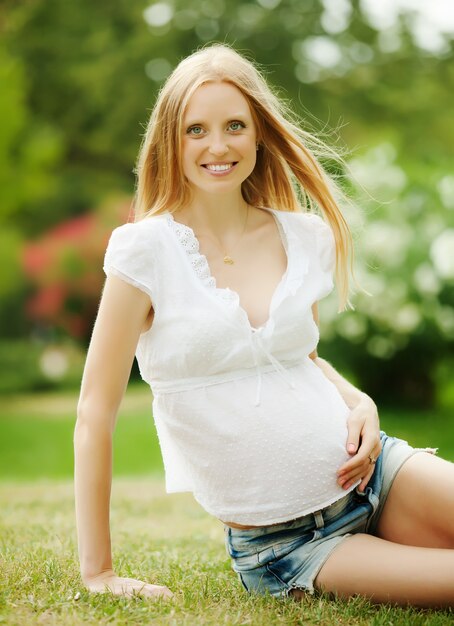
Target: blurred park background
[77,83]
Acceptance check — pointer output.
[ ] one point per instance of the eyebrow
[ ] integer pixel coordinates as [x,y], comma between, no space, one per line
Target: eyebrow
[238,116]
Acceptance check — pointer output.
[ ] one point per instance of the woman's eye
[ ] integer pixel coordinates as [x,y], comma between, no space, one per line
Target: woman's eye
[194,130]
[197,131]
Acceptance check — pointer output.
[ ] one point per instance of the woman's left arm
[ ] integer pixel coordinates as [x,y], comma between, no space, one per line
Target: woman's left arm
[363,441]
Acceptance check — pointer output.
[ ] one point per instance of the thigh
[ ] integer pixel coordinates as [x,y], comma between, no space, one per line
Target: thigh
[419,508]
[383,571]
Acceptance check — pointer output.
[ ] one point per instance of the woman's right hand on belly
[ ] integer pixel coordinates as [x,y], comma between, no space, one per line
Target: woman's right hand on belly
[108,582]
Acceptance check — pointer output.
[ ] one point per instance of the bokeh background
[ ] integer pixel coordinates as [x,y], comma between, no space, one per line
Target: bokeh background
[77,83]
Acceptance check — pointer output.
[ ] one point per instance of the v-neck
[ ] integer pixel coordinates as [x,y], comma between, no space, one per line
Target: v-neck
[191,244]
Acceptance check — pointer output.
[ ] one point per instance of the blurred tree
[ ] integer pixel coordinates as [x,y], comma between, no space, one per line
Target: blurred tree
[92,80]
[80,78]
[28,150]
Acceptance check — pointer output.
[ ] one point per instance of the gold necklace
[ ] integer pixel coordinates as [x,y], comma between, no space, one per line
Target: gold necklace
[227,258]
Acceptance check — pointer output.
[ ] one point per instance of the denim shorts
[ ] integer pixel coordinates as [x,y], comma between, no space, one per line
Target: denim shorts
[281,557]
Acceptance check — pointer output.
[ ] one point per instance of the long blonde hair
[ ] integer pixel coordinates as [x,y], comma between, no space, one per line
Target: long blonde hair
[287,175]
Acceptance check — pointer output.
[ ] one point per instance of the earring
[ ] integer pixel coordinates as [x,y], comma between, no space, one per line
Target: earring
[257,146]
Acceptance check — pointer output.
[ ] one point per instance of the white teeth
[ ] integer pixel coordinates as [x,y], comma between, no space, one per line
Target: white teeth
[219,168]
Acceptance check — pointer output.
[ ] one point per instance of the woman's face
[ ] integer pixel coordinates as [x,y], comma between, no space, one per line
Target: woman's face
[219,138]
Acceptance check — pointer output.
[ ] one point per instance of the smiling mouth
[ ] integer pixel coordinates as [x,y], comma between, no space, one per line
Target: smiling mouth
[221,167]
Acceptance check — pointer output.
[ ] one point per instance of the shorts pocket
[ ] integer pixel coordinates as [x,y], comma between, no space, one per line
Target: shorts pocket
[262,581]
[288,566]
[283,548]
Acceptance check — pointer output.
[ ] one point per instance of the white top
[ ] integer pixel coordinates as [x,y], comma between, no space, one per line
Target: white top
[246,420]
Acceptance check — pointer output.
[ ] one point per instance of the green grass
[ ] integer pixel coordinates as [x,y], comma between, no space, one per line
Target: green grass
[162,539]
[434,429]
[36,436]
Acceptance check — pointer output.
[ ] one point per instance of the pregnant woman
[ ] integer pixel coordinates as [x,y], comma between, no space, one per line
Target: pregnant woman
[214,288]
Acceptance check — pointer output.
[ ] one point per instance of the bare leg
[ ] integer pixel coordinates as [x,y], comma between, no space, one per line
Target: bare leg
[419,510]
[419,513]
[389,572]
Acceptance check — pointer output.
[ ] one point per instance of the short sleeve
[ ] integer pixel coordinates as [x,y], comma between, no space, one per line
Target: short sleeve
[321,246]
[129,256]
[325,244]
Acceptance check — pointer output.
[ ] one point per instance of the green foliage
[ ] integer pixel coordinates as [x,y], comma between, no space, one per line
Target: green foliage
[85,87]
[36,435]
[34,365]
[397,334]
[11,281]
[93,71]
[29,149]
[19,365]
[77,82]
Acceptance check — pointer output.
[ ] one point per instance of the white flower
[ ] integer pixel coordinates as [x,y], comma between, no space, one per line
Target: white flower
[446,190]
[387,242]
[407,318]
[158,14]
[376,170]
[353,327]
[323,51]
[425,279]
[381,347]
[442,254]
[445,320]
[54,363]
[375,284]
[396,290]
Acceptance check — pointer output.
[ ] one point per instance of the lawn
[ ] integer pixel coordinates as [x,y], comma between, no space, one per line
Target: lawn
[36,436]
[164,539]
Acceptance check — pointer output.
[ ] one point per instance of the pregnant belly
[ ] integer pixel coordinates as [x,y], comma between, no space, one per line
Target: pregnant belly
[291,451]
[251,465]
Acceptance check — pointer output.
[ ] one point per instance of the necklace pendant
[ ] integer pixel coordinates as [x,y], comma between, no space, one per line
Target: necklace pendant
[229,260]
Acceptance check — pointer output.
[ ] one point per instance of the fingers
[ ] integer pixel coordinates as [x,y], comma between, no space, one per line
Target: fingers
[361,475]
[362,422]
[360,466]
[361,459]
[130,587]
[365,480]
[157,591]
[145,590]
[354,426]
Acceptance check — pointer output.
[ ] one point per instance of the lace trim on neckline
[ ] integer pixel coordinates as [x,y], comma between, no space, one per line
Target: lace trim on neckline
[198,260]
[298,260]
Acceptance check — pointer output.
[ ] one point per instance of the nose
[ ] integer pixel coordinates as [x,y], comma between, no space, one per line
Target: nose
[218,145]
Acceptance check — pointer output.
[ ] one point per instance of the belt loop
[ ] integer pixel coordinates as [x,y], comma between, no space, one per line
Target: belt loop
[319,521]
